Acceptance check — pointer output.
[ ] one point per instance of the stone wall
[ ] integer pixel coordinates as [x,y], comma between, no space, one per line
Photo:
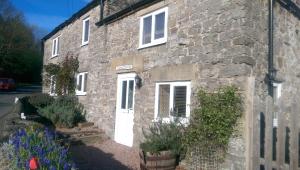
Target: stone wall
[286,51]
[206,45]
[210,43]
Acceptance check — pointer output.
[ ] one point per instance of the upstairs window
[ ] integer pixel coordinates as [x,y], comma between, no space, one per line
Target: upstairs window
[81,83]
[85,31]
[153,28]
[172,99]
[55,47]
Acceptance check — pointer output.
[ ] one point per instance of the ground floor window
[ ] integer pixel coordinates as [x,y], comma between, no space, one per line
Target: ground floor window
[172,99]
[52,91]
[81,83]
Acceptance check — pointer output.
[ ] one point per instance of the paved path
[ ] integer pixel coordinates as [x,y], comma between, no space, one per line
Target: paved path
[91,149]
[106,155]
[7,98]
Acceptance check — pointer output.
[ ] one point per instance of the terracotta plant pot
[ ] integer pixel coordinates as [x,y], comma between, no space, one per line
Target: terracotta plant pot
[165,160]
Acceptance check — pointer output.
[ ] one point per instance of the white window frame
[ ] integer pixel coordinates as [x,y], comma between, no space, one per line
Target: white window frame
[55,48]
[52,86]
[154,41]
[278,87]
[183,120]
[83,31]
[81,92]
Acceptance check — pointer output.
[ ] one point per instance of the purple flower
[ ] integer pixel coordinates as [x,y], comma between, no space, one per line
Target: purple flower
[52,168]
[64,153]
[46,161]
[66,166]
[41,144]
[22,132]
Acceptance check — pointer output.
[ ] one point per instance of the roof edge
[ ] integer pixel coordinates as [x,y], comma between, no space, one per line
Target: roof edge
[123,12]
[75,16]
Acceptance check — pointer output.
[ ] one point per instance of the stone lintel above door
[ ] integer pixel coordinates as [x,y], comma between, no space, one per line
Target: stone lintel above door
[127,64]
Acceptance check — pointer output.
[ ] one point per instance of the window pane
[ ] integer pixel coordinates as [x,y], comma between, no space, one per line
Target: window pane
[262,135]
[275,93]
[298,149]
[85,82]
[179,101]
[147,30]
[52,85]
[79,85]
[86,30]
[130,94]
[274,143]
[164,101]
[57,49]
[159,26]
[287,145]
[124,93]
[54,47]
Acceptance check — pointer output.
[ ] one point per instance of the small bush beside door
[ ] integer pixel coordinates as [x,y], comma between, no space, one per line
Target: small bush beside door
[162,146]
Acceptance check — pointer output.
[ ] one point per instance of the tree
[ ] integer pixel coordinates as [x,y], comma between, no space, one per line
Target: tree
[20,56]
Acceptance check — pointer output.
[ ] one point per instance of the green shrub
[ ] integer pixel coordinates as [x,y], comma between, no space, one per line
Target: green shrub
[65,111]
[214,120]
[26,107]
[163,137]
[40,100]
[30,104]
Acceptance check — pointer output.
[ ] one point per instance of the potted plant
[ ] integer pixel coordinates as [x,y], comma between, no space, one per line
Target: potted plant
[162,146]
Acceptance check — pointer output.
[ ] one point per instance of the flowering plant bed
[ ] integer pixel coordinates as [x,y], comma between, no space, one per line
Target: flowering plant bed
[38,148]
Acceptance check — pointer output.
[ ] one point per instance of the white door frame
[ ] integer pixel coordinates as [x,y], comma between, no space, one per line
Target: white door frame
[124,121]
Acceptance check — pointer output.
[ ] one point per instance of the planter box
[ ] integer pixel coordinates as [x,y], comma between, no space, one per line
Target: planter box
[165,160]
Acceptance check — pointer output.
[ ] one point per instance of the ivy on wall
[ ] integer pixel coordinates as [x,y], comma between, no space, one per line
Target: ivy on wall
[64,74]
[214,119]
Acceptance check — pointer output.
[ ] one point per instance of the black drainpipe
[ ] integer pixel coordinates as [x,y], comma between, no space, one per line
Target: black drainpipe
[271,70]
[101,9]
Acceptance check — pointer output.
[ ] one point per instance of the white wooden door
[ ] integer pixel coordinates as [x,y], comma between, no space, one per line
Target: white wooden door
[125,109]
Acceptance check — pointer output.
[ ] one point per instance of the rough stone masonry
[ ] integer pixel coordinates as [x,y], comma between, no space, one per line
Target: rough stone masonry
[210,43]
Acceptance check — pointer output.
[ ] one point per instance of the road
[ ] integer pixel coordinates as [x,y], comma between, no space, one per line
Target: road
[7,98]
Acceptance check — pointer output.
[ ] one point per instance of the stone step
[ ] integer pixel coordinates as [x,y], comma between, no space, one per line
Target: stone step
[85,140]
[88,132]
[85,124]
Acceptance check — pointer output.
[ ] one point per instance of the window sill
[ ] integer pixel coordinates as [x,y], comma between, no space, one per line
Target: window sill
[182,120]
[84,44]
[54,56]
[80,93]
[151,45]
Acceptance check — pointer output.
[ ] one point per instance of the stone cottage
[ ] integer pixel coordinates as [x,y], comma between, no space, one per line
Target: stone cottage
[141,60]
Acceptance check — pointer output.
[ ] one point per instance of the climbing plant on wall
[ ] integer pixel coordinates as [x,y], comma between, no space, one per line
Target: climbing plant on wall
[214,119]
[64,74]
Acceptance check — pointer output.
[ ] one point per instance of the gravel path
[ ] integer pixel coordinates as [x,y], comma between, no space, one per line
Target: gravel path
[106,155]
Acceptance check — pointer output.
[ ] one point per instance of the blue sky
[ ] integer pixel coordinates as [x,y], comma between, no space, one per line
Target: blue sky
[47,14]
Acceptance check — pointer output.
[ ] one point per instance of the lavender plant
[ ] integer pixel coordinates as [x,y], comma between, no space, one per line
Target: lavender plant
[40,144]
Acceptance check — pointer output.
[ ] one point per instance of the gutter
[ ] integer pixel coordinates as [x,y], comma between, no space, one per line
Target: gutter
[291,7]
[123,12]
